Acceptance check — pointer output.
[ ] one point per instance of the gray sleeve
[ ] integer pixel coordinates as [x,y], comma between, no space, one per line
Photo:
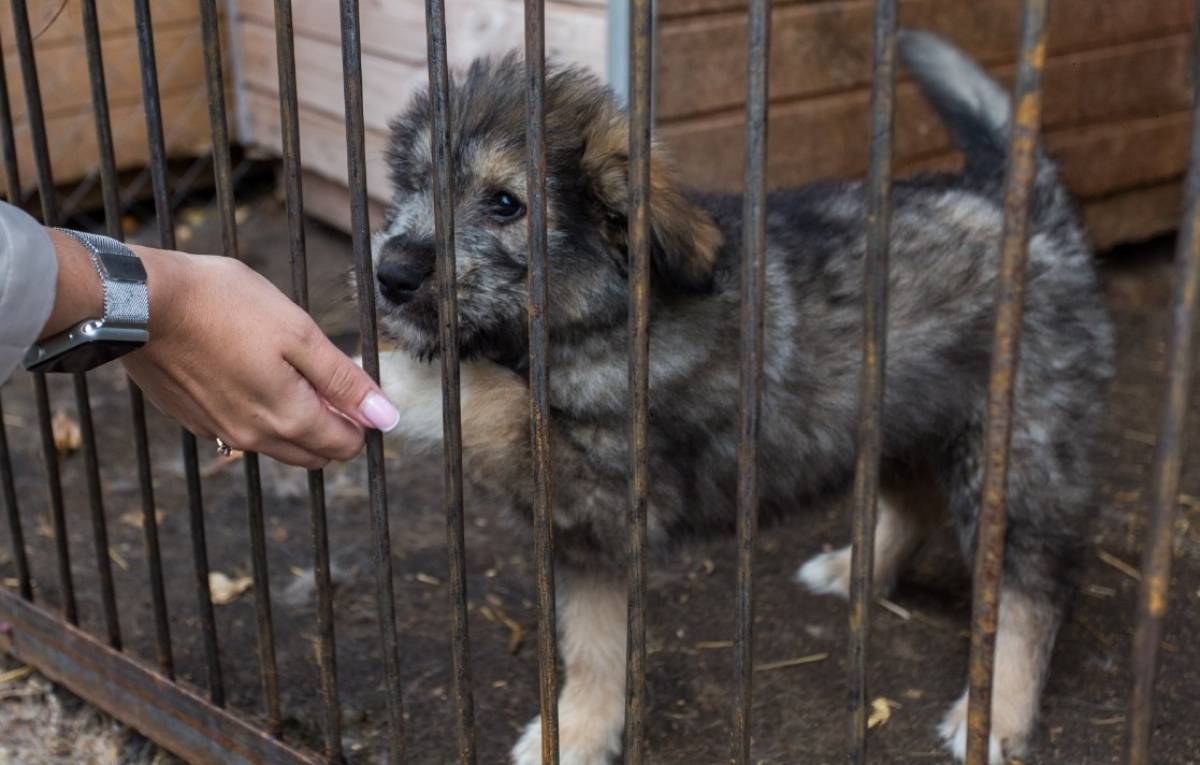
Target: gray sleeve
[28,279]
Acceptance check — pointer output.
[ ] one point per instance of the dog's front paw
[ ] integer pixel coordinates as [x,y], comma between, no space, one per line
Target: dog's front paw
[953,731]
[579,743]
[827,573]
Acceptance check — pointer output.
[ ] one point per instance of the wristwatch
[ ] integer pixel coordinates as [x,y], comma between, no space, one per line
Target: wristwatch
[122,328]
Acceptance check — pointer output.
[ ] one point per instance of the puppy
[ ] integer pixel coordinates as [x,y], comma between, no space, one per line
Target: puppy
[942,281]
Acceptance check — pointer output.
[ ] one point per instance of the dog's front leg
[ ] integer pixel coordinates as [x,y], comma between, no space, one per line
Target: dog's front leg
[591,707]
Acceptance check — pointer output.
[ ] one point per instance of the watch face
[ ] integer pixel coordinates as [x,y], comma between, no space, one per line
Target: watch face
[123,268]
[87,356]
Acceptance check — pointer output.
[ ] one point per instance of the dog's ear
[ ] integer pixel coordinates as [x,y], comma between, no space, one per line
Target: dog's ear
[685,240]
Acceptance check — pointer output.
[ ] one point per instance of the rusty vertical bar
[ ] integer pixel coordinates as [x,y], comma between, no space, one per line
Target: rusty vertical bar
[285,51]
[641,107]
[1014,247]
[871,385]
[200,571]
[154,567]
[1170,449]
[57,517]
[108,596]
[8,152]
[16,535]
[214,82]
[45,181]
[443,218]
[166,235]
[539,397]
[112,218]
[356,160]
[8,144]
[750,363]
[104,139]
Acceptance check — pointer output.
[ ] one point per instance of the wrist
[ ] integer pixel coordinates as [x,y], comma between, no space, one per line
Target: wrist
[166,282]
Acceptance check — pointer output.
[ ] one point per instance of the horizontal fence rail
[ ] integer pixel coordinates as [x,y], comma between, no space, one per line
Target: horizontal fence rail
[197,726]
[166,712]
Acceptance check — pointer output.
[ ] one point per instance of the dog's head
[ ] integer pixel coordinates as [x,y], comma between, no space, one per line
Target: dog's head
[587,198]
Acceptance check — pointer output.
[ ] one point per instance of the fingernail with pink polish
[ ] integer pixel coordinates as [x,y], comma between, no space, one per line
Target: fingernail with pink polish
[380,412]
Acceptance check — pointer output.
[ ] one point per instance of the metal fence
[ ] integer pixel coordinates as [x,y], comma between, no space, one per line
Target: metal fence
[200,729]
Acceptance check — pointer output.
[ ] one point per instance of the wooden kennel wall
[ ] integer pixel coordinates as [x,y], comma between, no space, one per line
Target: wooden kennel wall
[1138,121]
[63,70]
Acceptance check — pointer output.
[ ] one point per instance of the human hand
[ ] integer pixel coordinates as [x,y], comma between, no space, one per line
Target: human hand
[230,356]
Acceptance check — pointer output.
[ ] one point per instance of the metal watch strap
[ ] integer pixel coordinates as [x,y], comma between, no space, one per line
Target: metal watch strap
[126,299]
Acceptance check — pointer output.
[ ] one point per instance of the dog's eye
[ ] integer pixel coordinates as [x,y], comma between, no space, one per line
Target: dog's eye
[504,206]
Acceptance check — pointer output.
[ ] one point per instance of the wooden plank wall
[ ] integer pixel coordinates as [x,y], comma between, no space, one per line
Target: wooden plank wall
[394,68]
[66,98]
[1116,95]
[1116,88]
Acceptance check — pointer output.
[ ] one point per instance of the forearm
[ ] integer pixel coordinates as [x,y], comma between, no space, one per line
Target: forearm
[28,272]
[78,294]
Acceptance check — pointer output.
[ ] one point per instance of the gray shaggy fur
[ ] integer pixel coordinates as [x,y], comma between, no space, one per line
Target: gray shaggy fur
[942,285]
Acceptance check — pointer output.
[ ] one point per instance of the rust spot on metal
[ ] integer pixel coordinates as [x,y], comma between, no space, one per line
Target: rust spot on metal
[1022,169]
[871,385]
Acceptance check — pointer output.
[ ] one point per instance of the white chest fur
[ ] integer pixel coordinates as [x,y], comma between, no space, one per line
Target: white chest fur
[494,400]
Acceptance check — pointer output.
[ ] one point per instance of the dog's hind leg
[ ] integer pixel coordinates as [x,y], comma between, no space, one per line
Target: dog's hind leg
[591,707]
[905,513]
[1024,638]
[1049,496]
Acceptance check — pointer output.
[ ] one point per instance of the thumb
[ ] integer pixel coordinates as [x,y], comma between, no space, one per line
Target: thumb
[342,383]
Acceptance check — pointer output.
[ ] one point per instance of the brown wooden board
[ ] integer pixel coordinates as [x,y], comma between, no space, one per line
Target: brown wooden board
[62,70]
[329,202]
[322,141]
[395,30]
[72,137]
[55,22]
[1134,215]
[825,47]
[826,137]
[390,81]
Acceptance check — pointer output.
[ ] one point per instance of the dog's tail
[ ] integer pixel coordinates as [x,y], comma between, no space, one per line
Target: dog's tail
[974,108]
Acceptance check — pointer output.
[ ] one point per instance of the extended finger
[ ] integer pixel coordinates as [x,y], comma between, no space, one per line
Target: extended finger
[341,382]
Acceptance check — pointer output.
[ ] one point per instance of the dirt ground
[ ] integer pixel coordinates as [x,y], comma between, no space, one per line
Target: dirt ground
[920,649]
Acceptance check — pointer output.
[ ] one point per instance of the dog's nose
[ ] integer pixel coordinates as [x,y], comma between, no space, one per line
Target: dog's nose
[403,269]
[397,281]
